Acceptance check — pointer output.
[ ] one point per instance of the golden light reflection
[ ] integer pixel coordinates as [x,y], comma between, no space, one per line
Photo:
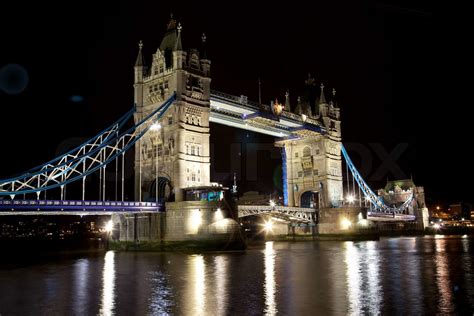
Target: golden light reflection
[108,285]
[442,278]
[352,260]
[270,287]
[198,274]
[221,265]
[373,274]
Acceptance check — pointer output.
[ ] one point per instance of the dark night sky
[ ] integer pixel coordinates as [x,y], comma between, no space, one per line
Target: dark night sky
[383,59]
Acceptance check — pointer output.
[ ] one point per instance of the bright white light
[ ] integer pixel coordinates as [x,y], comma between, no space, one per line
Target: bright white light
[350,199]
[268,226]
[195,221]
[109,226]
[218,215]
[345,223]
[155,126]
[303,117]
[436,226]
[272,203]
[360,217]
[367,198]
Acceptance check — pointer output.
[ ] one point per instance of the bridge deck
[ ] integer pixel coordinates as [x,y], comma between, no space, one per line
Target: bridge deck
[57,207]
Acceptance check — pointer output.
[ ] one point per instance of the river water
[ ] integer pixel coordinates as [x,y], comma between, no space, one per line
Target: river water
[412,275]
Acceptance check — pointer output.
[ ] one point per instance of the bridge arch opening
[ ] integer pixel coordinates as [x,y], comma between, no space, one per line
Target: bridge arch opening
[165,190]
[310,199]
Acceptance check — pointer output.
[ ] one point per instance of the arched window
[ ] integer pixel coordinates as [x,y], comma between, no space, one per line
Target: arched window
[306,151]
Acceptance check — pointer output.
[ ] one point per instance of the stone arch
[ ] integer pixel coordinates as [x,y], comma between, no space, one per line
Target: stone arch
[165,190]
[309,199]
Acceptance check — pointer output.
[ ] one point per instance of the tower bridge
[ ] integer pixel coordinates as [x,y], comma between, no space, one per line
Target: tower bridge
[173,108]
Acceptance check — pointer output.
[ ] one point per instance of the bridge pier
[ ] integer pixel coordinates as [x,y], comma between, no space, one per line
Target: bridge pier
[341,220]
[194,223]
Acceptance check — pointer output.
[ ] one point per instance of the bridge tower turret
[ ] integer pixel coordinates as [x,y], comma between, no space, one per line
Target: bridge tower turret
[177,153]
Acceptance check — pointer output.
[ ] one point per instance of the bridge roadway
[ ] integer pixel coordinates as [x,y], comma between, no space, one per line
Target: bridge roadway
[56,207]
[239,112]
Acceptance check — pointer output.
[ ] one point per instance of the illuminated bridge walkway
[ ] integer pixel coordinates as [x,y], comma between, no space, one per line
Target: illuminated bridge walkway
[56,207]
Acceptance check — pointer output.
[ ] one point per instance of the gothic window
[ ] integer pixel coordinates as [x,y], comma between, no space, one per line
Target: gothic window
[192,150]
[170,120]
[307,173]
[193,177]
[296,155]
[332,125]
[155,71]
[150,89]
[300,174]
[160,150]
[317,151]
[306,152]
[315,172]
[187,151]
[197,150]
[199,121]
[161,68]
[166,84]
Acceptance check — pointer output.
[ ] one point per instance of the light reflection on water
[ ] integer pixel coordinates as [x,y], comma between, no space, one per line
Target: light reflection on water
[81,275]
[270,288]
[443,281]
[108,289]
[220,275]
[423,275]
[362,273]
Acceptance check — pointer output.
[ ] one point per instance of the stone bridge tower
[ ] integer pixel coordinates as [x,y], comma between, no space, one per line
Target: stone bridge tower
[312,165]
[177,150]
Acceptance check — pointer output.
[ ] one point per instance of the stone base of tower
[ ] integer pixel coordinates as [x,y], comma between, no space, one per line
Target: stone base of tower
[342,220]
[186,225]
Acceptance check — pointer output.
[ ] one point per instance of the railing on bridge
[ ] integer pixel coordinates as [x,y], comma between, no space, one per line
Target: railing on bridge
[288,212]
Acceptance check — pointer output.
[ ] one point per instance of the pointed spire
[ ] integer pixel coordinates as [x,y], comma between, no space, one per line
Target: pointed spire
[298,109]
[287,100]
[234,187]
[178,45]
[334,100]
[204,51]
[139,61]
[172,23]
[322,98]
[310,80]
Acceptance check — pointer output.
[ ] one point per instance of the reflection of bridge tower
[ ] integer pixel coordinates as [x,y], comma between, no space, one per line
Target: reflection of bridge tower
[181,145]
[313,162]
